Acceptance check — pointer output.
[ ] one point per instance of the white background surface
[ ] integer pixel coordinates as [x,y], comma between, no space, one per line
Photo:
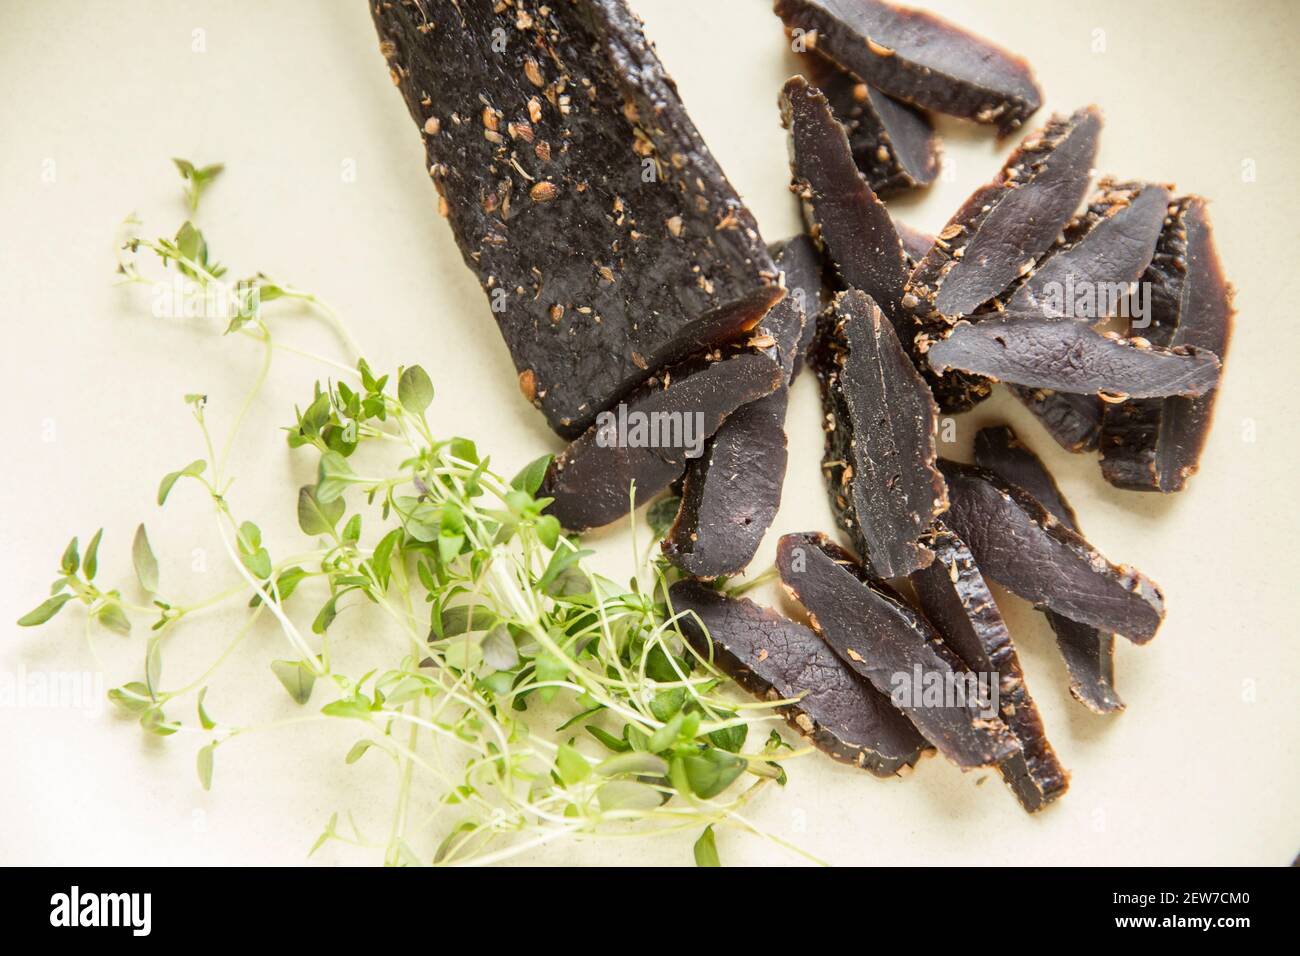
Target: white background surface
[1201,768]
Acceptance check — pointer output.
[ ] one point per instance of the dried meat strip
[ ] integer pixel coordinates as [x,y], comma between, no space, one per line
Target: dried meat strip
[803,275]
[1017,542]
[872,630]
[608,240]
[1073,420]
[916,244]
[998,234]
[1089,653]
[956,600]
[648,439]
[1070,357]
[861,241]
[880,426]
[1087,274]
[1156,445]
[773,658]
[731,493]
[917,57]
[894,144]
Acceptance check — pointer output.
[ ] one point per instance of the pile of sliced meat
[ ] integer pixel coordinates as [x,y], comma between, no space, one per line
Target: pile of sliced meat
[631,285]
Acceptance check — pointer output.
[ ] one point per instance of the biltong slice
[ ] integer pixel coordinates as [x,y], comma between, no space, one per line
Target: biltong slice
[1017,542]
[894,144]
[998,234]
[861,242]
[881,426]
[599,276]
[1070,357]
[731,492]
[1089,653]
[917,57]
[1001,230]
[773,658]
[916,244]
[803,276]
[1156,445]
[954,597]
[1106,249]
[647,439]
[874,631]
[1073,420]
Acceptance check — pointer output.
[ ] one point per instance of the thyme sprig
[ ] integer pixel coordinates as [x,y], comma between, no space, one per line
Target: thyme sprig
[529,697]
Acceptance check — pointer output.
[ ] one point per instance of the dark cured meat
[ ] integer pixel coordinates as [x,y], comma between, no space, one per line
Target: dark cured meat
[1089,653]
[804,279]
[885,641]
[954,597]
[773,658]
[894,145]
[1029,551]
[1071,357]
[732,492]
[861,242]
[1002,229]
[997,235]
[1110,244]
[1156,445]
[599,275]
[916,244]
[591,479]
[880,426]
[919,58]
[1073,420]
[1108,247]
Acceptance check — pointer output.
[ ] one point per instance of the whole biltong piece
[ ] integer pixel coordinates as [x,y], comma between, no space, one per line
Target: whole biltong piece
[731,493]
[917,57]
[1089,653]
[1156,445]
[648,439]
[1070,357]
[773,658]
[861,242]
[872,630]
[893,144]
[956,600]
[599,275]
[881,426]
[1029,551]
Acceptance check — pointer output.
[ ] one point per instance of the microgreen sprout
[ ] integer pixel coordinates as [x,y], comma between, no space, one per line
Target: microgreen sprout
[524,697]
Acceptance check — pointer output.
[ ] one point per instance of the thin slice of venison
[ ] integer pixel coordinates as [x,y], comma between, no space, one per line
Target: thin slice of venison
[1088,652]
[773,658]
[917,57]
[874,631]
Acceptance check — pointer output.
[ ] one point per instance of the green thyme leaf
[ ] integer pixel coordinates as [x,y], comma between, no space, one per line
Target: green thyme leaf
[415,390]
[70,561]
[296,677]
[90,564]
[316,517]
[204,765]
[706,850]
[192,470]
[45,611]
[146,565]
